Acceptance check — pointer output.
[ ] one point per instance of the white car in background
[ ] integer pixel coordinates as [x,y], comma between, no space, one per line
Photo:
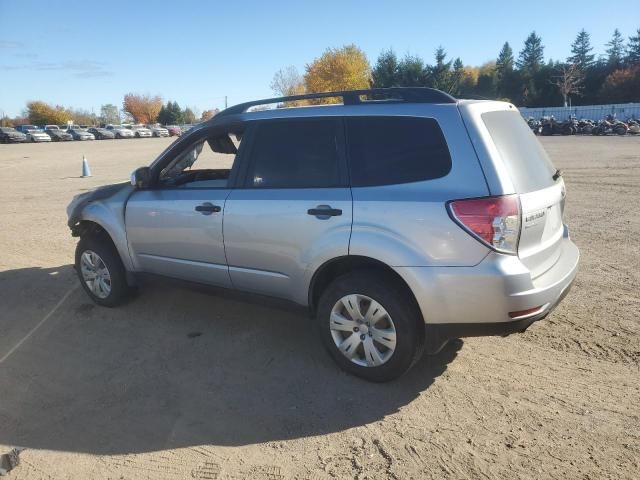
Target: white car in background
[120,131]
[36,135]
[158,130]
[140,131]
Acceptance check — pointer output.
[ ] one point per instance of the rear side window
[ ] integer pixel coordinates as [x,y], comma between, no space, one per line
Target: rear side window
[295,154]
[527,163]
[391,150]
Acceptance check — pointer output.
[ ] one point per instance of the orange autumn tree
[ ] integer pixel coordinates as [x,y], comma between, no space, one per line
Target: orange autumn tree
[143,108]
[41,113]
[345,68]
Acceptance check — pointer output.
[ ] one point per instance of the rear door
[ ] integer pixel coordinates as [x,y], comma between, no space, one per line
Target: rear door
[294,207]
[534,178]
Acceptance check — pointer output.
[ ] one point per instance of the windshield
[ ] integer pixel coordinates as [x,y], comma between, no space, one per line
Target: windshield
[526,161]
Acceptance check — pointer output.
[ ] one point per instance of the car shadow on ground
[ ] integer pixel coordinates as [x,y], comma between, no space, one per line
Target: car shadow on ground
[176,368]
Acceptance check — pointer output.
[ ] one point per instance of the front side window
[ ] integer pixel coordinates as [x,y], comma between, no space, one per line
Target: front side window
[206,163]
[392,150]
[295,154]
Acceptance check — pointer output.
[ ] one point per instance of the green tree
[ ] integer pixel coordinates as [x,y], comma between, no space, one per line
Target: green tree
[504,75]
[109,114]
[486,85]
[170,114]
[581,49]
[440,73]
[386,71]
[633,50]
[188,116]
[456,77]
[615,50]
[411,72]
[531,57]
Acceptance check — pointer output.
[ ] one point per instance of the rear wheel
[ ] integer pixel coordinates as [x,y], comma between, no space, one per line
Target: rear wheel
[371,327]
[100,271]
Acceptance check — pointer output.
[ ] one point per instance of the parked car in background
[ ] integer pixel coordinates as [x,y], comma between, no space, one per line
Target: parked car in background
[24,128]
[140,131]
[36,135]
[11,135]
[80,133]
[57,134]
[158,130]
[120,131]
[174,130]
[102,133]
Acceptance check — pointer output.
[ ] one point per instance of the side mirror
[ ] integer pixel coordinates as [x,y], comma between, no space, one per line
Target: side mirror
[141,177]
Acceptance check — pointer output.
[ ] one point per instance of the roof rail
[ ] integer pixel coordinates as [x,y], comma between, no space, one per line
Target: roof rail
[354,97]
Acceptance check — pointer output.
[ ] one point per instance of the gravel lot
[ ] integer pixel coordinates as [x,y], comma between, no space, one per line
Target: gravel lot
[127,393]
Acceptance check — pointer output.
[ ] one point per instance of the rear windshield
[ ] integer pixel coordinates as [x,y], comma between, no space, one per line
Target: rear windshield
[526,161]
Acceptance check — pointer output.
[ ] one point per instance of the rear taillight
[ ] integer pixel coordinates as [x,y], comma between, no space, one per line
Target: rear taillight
[495,221]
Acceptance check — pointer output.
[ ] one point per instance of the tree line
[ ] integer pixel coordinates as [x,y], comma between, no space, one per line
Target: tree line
[136,108]
[583,78]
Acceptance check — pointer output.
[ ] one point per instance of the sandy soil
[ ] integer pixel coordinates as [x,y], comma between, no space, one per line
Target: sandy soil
[127,393]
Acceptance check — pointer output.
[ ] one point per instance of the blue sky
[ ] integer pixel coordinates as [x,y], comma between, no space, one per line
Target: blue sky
[85,54]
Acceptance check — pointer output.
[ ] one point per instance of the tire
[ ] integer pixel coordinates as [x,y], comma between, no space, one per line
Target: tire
[401,315]
[546,130]
[621,131]
[108,257]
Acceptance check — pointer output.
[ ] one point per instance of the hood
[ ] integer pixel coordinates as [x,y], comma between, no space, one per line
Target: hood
[83,199]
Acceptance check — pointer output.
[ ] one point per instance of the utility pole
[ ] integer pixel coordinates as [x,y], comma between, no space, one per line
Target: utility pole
[225,101]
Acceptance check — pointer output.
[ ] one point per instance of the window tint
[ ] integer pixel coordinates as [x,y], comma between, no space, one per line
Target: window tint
[388,150]
[294,154]
[527,163]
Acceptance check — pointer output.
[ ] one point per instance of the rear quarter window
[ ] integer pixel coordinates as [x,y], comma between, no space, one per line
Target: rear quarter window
[393,150]
[523,156]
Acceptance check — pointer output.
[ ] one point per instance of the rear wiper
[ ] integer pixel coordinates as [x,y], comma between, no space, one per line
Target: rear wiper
[557,175]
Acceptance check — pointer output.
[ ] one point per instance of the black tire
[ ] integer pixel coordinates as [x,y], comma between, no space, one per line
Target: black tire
[101,245]
[401,307]
[546,130]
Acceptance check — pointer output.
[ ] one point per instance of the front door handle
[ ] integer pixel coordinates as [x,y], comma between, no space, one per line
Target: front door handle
[208,208]
[324,211]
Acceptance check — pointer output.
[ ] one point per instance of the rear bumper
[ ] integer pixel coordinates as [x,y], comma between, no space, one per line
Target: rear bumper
[477,300]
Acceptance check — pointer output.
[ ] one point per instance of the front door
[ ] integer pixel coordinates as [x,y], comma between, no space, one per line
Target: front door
[175,228]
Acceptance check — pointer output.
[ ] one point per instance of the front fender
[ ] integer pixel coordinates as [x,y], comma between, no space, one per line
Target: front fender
[105,207]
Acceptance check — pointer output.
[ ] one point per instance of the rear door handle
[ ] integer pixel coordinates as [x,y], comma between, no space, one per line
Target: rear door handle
[208,208]
[324,212]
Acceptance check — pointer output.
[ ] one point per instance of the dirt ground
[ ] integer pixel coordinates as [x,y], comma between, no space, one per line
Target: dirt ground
[128,393]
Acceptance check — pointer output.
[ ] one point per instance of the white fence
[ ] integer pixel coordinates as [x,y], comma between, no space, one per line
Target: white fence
[622,111]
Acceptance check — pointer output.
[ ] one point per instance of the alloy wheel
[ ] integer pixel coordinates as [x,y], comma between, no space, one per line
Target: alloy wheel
[95,274]
[362,330]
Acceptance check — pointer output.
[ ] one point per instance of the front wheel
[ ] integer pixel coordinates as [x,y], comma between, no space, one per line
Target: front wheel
[100,271]
[370,326]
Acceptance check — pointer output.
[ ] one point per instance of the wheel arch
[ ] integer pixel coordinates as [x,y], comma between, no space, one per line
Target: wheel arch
[336,267]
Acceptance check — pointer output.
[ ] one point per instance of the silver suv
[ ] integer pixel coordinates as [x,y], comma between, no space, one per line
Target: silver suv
[401,218]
